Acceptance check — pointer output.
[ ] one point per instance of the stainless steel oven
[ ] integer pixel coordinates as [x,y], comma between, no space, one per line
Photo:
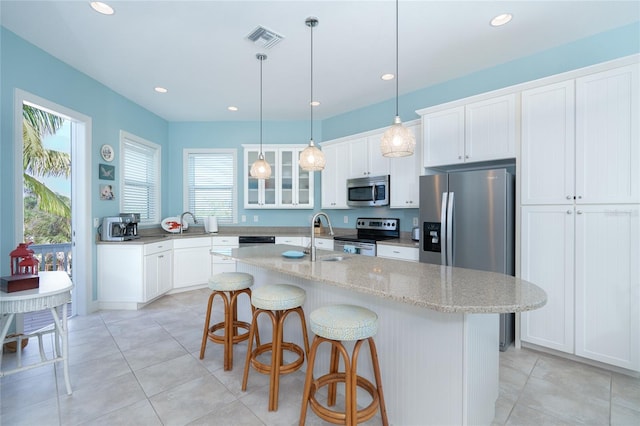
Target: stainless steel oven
[369,230]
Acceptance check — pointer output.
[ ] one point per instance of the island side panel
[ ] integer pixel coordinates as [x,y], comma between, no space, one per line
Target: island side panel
[431,373]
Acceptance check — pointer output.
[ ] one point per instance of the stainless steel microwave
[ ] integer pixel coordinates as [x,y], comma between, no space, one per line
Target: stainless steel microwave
[368,191]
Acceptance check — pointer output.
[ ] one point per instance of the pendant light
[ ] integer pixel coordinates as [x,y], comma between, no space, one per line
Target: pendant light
[311,158]
[397,141]
[260,169]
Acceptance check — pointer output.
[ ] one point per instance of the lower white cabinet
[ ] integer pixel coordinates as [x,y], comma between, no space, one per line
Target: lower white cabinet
[586,258]
[158,264]
[223,245]
[397,252]
[130,275]
[191,262]
[293,241]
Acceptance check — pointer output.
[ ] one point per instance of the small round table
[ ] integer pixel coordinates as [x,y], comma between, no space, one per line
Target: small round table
[54,290]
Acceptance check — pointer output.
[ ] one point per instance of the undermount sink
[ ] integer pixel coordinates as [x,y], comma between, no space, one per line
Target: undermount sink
[333,259]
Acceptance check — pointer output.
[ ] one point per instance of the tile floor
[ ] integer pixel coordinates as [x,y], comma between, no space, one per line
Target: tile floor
[142,368]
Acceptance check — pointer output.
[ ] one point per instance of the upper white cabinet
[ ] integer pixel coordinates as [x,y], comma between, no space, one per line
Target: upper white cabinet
[598,162]
[478,131]
[405,175]
[334,176]
[607,139]
[260,193]
[548,148]
[366,158]
[289,185]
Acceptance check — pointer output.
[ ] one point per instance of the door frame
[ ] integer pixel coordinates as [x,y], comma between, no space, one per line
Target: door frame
[81,202]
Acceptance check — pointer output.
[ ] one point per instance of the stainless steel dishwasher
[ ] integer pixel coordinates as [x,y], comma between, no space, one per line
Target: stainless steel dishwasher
[246,241]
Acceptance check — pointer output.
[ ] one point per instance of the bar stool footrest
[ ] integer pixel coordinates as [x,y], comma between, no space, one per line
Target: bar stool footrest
[284,368]
[339,417]
[217,338]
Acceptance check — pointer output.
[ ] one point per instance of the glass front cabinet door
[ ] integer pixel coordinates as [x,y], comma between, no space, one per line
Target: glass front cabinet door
[289,186]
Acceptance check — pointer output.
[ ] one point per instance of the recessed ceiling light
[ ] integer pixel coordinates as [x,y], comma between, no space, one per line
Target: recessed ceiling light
[232,108]
[387,77]
[501,19]
[103,8]
[314,103]
[160,89]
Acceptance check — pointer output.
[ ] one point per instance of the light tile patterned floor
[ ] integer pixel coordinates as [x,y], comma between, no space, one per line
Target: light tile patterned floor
[142,368]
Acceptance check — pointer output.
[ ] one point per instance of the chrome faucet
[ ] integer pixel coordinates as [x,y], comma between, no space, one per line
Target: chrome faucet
[312,249]
[182,219]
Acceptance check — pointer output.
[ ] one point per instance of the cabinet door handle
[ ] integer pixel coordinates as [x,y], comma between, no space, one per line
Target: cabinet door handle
[579,212]
[569,212]
[569,197]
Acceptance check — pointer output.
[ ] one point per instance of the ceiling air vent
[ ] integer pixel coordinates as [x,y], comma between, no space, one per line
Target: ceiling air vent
[264,38]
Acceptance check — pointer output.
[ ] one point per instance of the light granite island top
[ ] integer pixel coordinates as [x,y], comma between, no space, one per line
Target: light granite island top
[438,327]
[437,287]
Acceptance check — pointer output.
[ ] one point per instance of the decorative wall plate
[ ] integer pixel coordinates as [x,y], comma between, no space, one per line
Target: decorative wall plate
[107,152]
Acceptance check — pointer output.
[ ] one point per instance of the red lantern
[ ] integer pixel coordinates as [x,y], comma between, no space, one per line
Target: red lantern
[22,260]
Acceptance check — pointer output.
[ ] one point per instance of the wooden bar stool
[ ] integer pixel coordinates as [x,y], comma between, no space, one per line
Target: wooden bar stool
[334,324]
[227,285]
[277,301]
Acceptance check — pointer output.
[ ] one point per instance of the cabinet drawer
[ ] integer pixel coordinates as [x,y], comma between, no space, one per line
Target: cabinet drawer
[225,241]
[324,243]
[157,247]
[398,252]
[180,243]
[294,241]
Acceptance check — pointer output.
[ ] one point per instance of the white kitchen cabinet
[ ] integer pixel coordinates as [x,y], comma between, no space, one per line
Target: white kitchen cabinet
[443,137]
[405,175]
[334,175]
[547,251]
[479,131]
[607,299]
[225,245]
[607,137]
[293,241]
[365,156]
[288,187]
[548,144]
[191,262]
[580,140]
[397,252]
[260,193]
[158,266]
[592,312]
[321,243]
[130,275]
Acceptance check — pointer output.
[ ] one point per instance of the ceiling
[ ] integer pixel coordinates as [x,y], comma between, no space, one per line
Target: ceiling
[198,50]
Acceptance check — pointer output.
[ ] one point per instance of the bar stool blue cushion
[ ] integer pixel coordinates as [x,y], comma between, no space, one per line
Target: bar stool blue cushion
[344,322]
[230,281]
[278,297]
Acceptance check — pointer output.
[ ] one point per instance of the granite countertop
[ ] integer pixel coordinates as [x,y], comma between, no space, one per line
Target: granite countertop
[436,287]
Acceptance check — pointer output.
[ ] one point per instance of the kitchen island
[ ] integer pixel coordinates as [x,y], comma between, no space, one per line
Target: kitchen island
[438,326]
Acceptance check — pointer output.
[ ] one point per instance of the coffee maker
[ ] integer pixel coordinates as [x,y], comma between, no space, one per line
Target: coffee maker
[120,228]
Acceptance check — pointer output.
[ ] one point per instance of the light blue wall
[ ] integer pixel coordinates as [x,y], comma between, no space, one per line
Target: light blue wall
[28,68]
[24,66]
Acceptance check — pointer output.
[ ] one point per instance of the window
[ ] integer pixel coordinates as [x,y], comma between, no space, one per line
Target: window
[140,185]
[210,183]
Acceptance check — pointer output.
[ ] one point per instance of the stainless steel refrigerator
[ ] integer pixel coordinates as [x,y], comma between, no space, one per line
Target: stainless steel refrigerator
[467,220]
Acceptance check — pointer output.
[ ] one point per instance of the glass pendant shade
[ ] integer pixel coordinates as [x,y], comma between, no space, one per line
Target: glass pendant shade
[260,169]
[311,158]
[397,141]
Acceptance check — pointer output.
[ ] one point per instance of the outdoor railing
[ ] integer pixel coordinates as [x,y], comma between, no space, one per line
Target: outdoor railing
[53,257]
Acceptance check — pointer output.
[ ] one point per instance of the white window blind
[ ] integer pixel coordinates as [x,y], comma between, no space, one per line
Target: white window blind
[140,178]
[210,184]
